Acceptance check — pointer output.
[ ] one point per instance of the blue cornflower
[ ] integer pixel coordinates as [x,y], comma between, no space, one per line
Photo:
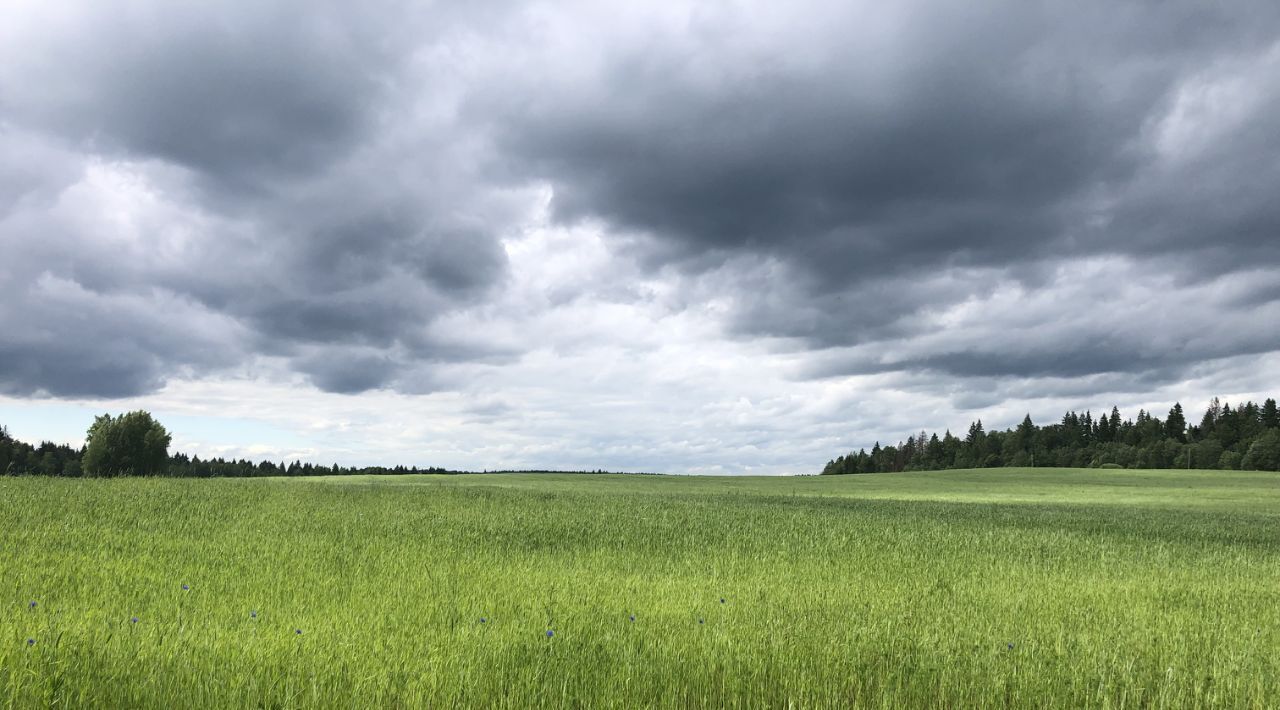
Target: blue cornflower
[633,617]
[253,614]
[483,620]
[31,642]
[1011,647]
[133,620]
[185,588]
[550,633]
[32,605]
[297,631]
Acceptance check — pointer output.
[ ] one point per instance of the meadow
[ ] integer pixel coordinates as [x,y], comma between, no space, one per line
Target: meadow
[986,588]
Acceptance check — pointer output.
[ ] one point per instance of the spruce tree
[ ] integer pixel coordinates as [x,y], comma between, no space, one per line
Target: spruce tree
[1176,425]
[1270,419]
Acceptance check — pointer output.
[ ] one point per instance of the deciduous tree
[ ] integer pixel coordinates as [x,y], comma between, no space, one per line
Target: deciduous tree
[129,444]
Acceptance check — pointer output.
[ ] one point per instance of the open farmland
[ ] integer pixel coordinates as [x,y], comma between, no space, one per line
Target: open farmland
[1005,587]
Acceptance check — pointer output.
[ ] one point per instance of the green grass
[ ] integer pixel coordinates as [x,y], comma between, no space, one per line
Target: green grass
[991,588]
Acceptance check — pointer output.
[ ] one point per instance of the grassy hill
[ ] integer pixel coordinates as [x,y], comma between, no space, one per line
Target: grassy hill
[994,587]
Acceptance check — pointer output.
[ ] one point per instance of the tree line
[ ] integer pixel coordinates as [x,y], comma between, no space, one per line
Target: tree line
[136,444]
[1245,437]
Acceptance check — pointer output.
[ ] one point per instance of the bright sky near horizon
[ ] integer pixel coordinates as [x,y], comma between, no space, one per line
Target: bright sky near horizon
[733,238]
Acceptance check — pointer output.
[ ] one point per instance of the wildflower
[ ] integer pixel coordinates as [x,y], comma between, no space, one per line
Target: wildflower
[550,633]
[483,620]
[721,600]
[253,614]
[185,588]
[633,617]
[133,620]
[32,605]
[31,642]
[297,632]
[1010,647]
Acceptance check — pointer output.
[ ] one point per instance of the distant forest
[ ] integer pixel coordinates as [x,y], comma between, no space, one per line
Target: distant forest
[49,459]
[1245,437]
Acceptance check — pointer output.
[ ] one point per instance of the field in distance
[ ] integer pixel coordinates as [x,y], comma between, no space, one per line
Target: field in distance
[991,588]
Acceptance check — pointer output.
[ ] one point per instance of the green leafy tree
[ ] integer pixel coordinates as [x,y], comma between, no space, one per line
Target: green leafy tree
[1264,453]
[1205,454]
[1229,461]
[130,444]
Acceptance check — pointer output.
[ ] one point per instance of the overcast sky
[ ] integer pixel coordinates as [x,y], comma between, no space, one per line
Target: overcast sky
[667,236]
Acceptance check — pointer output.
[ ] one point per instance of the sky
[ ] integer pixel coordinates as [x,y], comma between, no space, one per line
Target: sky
[687,237]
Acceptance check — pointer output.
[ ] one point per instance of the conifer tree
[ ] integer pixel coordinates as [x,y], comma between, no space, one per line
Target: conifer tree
[1270,418]
[1176,425]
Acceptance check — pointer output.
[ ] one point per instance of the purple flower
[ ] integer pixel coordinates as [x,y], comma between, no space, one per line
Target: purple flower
[550,633]
[133,620]
[32,605]
[185,588]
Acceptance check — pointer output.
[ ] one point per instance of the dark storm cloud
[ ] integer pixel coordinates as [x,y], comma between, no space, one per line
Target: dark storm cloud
[284,166]
[1100,327]
[1213,197]
[1006,138]
[241,93]
[326,182]
[348,373]
[970,143]
[64,341]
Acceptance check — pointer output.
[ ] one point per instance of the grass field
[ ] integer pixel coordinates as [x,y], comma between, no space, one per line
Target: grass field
[991,588]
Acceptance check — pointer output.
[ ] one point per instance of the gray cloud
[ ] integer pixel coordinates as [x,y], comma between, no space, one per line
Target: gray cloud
[847,173]
[282,166]
[348,372]
[243,94]
[326,185]
[68,342]
[972,141]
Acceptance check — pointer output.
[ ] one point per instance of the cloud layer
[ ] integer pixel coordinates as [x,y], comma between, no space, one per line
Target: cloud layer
[538,207]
